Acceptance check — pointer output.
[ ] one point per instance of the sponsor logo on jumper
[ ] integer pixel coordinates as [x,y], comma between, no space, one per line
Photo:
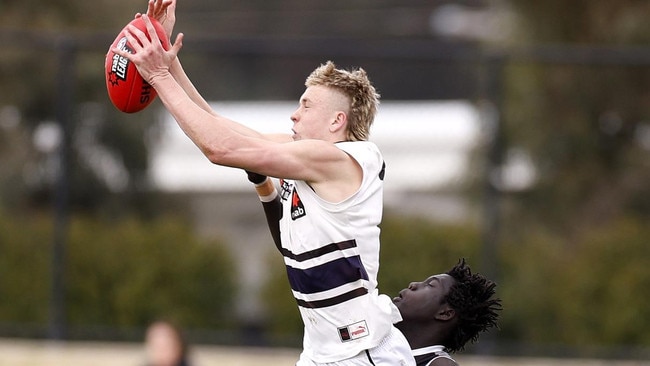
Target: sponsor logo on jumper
[297,208]
[285,190]
[353,331]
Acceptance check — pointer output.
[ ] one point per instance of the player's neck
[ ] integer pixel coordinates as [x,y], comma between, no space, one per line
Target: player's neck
[420,336]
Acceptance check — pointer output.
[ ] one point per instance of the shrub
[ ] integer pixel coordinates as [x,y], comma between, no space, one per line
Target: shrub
[120,274]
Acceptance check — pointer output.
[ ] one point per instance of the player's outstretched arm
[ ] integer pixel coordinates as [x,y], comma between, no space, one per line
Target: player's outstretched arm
[177,71]
[155,63]
[330,171]
[164,11]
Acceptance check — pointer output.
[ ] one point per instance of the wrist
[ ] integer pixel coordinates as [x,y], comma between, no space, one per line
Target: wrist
[160,79]
[266,190]
[175,68]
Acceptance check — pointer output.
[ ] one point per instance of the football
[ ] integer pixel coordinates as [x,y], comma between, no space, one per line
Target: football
[128,91]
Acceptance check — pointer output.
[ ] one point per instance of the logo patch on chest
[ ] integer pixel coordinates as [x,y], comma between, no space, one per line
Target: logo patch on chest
[353,331]
[285,189]
[297,208]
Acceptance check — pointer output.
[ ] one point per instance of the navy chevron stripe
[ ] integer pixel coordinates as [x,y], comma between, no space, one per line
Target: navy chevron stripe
[327,276]
[333,300]
[319,251]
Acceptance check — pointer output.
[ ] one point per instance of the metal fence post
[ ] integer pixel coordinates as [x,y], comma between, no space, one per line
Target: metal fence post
[66,57]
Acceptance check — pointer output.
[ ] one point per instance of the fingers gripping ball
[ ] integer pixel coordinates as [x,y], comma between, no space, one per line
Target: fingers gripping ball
[128,91]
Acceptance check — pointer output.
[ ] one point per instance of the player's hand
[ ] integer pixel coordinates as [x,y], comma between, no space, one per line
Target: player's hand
[149,56]
[164,11]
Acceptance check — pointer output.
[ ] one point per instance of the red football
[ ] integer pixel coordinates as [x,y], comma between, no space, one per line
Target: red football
[128,91]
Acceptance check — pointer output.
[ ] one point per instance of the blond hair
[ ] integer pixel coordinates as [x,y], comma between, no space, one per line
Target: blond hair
[355,84]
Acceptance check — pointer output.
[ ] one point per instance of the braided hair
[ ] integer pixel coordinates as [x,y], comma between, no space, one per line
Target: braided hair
[472,299]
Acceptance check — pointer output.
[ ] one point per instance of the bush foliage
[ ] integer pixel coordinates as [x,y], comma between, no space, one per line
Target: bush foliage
[120,274]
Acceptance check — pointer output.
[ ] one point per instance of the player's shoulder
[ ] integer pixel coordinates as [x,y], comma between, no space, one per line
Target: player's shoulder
[360,148]
[362,145]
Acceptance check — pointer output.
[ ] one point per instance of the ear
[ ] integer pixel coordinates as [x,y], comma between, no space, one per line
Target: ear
[445,313]
[339,122]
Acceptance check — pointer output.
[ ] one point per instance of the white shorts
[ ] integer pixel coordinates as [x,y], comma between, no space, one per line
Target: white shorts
[394,350]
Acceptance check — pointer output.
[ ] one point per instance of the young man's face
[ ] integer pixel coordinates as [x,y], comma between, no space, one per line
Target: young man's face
[421,301]
[319,108]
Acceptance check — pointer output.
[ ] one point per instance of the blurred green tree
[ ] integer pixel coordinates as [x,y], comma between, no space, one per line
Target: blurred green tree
[120,276]
[585,123]
[108,159]
[570,243]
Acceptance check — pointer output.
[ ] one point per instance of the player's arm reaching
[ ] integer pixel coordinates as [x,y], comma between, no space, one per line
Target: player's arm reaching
[229,143]
[165,12]
[331,172]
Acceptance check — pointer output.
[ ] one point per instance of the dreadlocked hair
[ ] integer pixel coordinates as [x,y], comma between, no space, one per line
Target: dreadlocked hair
[477,311]
[363,97]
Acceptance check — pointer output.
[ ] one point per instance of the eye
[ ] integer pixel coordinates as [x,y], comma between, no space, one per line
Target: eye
[431,282]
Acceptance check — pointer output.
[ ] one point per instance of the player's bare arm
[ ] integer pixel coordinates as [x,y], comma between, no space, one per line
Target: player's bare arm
[228,143]
[155,64]
[165,12]
[332,173]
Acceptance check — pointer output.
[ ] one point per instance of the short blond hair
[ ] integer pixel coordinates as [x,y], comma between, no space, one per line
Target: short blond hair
[354,84]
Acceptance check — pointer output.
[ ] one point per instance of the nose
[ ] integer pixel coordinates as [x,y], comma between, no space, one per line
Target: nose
[413,286]
[294,116]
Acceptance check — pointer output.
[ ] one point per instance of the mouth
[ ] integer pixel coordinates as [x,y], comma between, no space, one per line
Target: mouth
[398,298]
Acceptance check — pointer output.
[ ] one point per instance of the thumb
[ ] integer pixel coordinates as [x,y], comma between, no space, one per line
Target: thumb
[178,44]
